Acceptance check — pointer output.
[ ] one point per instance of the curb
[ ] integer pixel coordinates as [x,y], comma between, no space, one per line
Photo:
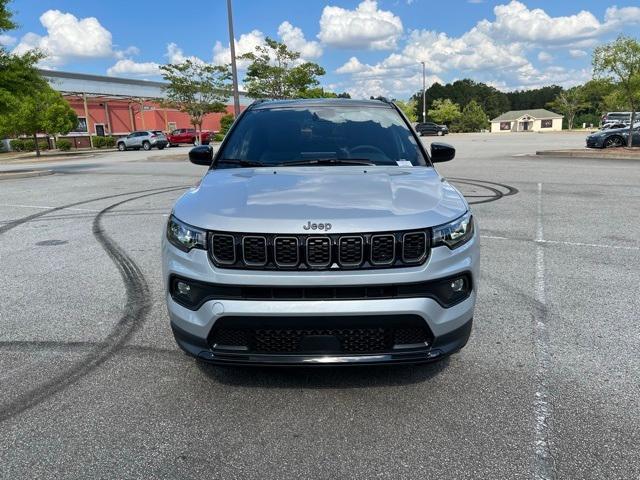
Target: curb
[11,175]
[599,154]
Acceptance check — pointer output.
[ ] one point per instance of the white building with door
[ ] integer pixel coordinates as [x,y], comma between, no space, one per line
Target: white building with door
[535,120]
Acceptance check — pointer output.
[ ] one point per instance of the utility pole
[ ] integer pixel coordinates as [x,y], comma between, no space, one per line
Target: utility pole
[424,93]
[234,69]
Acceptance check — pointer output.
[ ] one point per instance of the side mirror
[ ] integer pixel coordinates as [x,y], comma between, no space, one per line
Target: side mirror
[442,152]
[201,155]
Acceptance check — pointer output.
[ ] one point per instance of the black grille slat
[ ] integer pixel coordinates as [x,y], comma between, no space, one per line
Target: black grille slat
[254,250]
[318,251]
[414,246]
[223,248]
[383,249]
[286,251]
[350,251]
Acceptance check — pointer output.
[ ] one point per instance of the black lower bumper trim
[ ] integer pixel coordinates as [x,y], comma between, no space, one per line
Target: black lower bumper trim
[442,346]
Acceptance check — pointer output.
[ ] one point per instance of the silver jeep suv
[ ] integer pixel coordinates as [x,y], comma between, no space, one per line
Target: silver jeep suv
[321,234]
[146,139]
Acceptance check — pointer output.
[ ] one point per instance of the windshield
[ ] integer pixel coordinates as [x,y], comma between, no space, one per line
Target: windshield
[322,135]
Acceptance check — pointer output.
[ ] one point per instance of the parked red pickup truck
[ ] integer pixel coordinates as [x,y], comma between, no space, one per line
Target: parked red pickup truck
[188,135]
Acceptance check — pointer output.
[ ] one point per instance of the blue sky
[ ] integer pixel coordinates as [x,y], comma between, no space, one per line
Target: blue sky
[368,47]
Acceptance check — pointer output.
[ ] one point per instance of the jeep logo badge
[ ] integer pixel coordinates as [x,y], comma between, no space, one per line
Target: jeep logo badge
[317,226]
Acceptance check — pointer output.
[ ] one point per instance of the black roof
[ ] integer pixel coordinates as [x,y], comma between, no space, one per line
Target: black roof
[316,102]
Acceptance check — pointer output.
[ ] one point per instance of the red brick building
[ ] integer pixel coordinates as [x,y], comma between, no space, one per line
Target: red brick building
[118,106]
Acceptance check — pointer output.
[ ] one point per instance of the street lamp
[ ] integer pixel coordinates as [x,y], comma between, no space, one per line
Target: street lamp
[234,70]
[424,93]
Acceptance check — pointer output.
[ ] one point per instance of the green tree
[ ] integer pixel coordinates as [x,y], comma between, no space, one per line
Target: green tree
[197,89]
[619,61]
[274,72]
[473,118]
[492,101]
[408,108]
[43,112]
[569,103]
[6,17]
[445,111]
[19,77]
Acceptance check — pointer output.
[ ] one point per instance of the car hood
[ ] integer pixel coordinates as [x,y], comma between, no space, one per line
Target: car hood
[352,199]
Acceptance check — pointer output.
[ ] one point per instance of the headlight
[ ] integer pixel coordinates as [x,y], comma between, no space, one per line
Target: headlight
[453,234]
[184,236]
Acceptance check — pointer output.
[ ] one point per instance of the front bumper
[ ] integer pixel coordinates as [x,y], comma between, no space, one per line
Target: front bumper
[594,142]
[449,327]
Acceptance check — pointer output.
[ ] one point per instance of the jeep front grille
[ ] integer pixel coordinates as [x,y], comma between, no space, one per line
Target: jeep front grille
[319,252]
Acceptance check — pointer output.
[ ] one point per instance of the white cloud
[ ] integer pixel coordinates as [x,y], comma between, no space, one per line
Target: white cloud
[294,39]
[516,22]
[545,57]
[495,51]
[128,67]
[245,44]
[7,40]
[175,54]
[365,27]
[353,65]
[577,53]
[68,37]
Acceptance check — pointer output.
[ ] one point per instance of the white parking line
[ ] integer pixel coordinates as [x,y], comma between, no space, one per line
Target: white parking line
[544,468]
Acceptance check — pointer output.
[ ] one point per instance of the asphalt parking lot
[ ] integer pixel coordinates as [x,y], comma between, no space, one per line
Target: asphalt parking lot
[92,384]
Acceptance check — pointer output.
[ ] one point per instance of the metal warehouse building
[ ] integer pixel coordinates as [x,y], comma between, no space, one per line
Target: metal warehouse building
[118,106]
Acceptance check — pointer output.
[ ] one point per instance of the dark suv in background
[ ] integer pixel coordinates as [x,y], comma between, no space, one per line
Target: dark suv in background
[430,128]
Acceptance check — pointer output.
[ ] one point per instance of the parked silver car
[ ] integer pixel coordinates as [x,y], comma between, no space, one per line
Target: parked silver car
[321,235]
[145,139]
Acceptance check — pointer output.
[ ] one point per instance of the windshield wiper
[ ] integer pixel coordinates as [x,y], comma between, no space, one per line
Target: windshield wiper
[242,163]
[328,161]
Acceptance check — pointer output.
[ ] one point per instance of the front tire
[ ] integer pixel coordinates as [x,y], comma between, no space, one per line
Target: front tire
[121,147]
[613,142]
[146,146]
[440,133]
[160,147]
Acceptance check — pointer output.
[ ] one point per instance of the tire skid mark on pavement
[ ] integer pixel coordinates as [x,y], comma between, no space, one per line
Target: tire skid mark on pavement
[138,304]
[495,192]
[16,223]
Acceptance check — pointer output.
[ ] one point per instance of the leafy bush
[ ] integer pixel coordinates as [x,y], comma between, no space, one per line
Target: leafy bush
[17,145]
[225,123]
[109,142]
[98,141]
[64,145]
[218,137]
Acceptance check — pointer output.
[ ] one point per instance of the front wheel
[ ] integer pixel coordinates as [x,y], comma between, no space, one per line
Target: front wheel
[613,142]
[146,146]
[160,147]
[440,133]
[121,147]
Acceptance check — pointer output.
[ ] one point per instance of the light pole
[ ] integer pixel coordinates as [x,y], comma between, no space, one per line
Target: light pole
[424,94]
[234,70]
